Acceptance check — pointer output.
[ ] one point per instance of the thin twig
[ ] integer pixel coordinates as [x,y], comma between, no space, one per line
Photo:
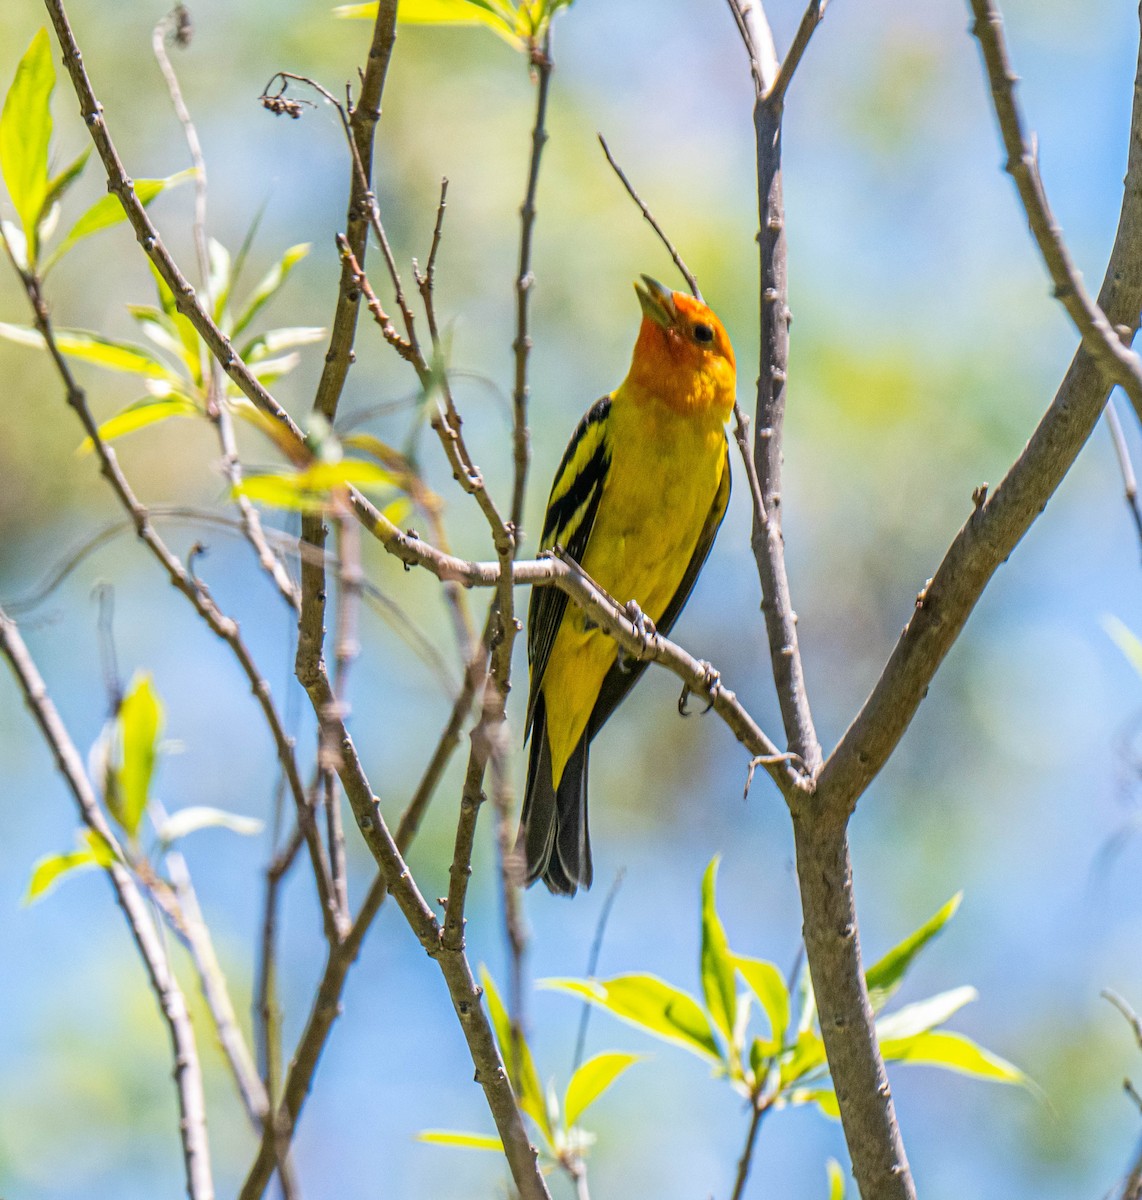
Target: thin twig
[683,269]
[187,1070]
[346,649]
[452,961]
[216,407]
[593,963]
[1132,1018]
[812,17]
[511,885]
[746,1160]
[998,521]
[1125,466]
[299,1080]
[543,65]
[215,992]
[1100,337]
[768,541]
[326,1003]
[267,1009]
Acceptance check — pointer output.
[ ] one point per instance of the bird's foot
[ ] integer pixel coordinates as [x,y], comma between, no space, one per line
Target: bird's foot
[711,680]
[646,632]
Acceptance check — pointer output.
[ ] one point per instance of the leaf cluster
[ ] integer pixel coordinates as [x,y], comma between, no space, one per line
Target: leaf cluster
[123,762]
[784,1065]
[522,25]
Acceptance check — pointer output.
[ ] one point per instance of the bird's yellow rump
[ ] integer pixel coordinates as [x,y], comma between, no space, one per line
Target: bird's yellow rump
[637,501]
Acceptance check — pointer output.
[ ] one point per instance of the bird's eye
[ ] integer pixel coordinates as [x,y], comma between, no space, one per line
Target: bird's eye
[703,333]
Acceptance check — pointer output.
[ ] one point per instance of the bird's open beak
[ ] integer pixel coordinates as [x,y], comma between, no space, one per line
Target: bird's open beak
[657,302]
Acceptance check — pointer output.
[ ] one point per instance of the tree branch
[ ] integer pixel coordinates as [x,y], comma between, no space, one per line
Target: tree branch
[543,65]
[1100,339]
[811,18]
[1125,466]
[768,542]
[998,522]
[326,1004]
[453,963]
[192,588]
[195,932]
[216,407]
[187,1070]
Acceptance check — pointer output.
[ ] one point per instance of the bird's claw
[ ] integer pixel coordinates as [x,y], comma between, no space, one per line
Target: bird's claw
[711,678]
[645,631]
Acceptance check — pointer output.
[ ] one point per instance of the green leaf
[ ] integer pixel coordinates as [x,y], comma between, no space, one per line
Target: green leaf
[202,816]
[1126,640]
[219,277]
[885,976]
[925,1014]
[761,1050]
[523,1074]
[824,1098]
[25,133]
[309,490]
[650,1003]
[953,1052]
[17,243]
[718,978]
[193,350]
[163,331]
[144,412]
[47,872]
[92,348]
[269,285]
[500,18]
[269,370]
[50,870]
[803,1001]
[766,982]
[836,1180]
[139,724]
[276,340]
[57,187]
[591,1080]
[107,211]
[467,1141]
[806,1057]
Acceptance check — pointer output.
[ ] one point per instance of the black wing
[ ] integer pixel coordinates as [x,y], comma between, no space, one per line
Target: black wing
[624,675]
[571,510]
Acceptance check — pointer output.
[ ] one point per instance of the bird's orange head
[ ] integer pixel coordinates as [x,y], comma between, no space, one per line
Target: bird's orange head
[683,357]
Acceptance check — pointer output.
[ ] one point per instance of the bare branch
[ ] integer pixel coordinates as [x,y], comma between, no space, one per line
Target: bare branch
[683,269]
[326,1005]
[1101,339]
[812,17]
[757,37]
[542,65]
[187,1070]
[768,541]
[832,945]
[998,522]
[746,1160]
[216,408]
[215,992]
[1132,1018]
[453,963]
[1125,466]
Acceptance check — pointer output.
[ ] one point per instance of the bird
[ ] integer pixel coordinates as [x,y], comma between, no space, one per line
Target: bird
[637,501]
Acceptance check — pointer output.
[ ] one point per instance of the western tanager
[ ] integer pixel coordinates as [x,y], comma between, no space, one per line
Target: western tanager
[637,501]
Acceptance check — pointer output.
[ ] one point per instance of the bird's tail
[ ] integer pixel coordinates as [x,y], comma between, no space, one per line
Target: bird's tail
[553,834]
